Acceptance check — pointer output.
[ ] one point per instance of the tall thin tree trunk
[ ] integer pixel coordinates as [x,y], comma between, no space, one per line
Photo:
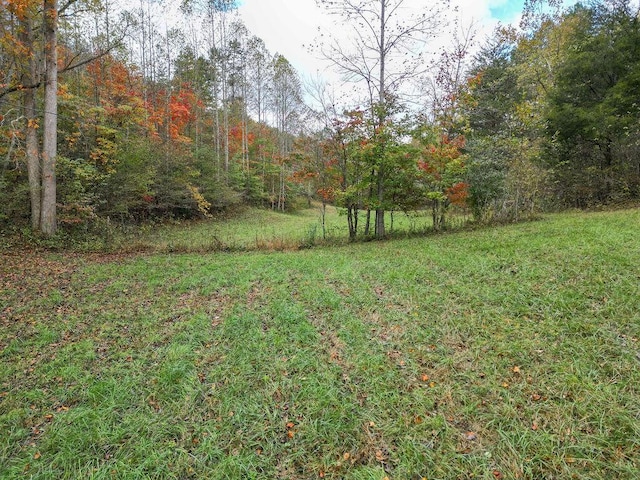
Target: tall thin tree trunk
[225,94]
[31,129]
[33,157]
[367,224]
[48,223]
[379,227]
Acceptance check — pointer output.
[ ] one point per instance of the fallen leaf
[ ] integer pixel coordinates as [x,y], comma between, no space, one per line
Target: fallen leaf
[505,384]
[346,456]
[290,433]
[418,420]
[497,474]
[471,436]
[290,425]
[425,377]
[534,426]
[516,369]
[36,456]
[379,456]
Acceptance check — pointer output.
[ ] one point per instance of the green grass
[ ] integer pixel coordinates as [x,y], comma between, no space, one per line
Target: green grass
[510,352]
[256,229]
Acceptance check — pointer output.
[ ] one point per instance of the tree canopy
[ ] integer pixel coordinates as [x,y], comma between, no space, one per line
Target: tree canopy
[108,114]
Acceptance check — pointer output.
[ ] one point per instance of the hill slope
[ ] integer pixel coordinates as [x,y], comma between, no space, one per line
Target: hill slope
[504,353]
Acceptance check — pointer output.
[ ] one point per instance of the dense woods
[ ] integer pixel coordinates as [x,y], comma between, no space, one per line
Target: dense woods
[111,114]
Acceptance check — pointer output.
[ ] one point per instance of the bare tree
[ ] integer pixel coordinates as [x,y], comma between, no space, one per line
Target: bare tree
[386,50]
[286,102]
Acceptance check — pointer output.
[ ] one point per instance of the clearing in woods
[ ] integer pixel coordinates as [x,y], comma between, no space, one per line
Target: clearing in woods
[510,352]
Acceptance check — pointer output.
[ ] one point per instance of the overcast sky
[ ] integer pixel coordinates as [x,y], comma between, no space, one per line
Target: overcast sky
[287,26]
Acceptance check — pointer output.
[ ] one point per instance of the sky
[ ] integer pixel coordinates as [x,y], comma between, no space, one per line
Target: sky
[289,26]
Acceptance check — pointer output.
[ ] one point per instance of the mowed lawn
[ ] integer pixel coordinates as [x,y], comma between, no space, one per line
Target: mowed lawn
[504,353]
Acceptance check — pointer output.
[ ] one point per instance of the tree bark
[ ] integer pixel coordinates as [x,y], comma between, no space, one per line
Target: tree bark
[48,224]
[31,129]
[382,95]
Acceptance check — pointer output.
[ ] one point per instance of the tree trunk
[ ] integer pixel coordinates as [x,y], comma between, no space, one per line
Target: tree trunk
[33,157]
[352,222]
[379,227]
[50,136]
[323,213]
[31,129]
[367,224]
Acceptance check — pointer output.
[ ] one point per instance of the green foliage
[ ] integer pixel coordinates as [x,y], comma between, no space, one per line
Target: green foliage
[486,175]
[547,117]
[127,194]
[14,198]
[594,107]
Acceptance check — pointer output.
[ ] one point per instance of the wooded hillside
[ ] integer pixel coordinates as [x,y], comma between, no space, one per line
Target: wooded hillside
[111,113]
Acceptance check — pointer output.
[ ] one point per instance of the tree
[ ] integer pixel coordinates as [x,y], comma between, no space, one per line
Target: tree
[50,118]
[33,62]
[286,101]
[505,107]
[594,111]
[386,52]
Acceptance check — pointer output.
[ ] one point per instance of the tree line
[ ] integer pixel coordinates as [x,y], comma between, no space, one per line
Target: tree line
[108,112]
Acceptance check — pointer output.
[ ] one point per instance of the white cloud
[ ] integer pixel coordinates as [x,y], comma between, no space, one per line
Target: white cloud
[290,26]
[287,27]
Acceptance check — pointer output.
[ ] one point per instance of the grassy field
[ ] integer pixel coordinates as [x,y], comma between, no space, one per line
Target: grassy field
[505,353]
[255,229]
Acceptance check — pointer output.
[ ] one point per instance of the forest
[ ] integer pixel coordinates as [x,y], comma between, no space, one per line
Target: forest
[110,115]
